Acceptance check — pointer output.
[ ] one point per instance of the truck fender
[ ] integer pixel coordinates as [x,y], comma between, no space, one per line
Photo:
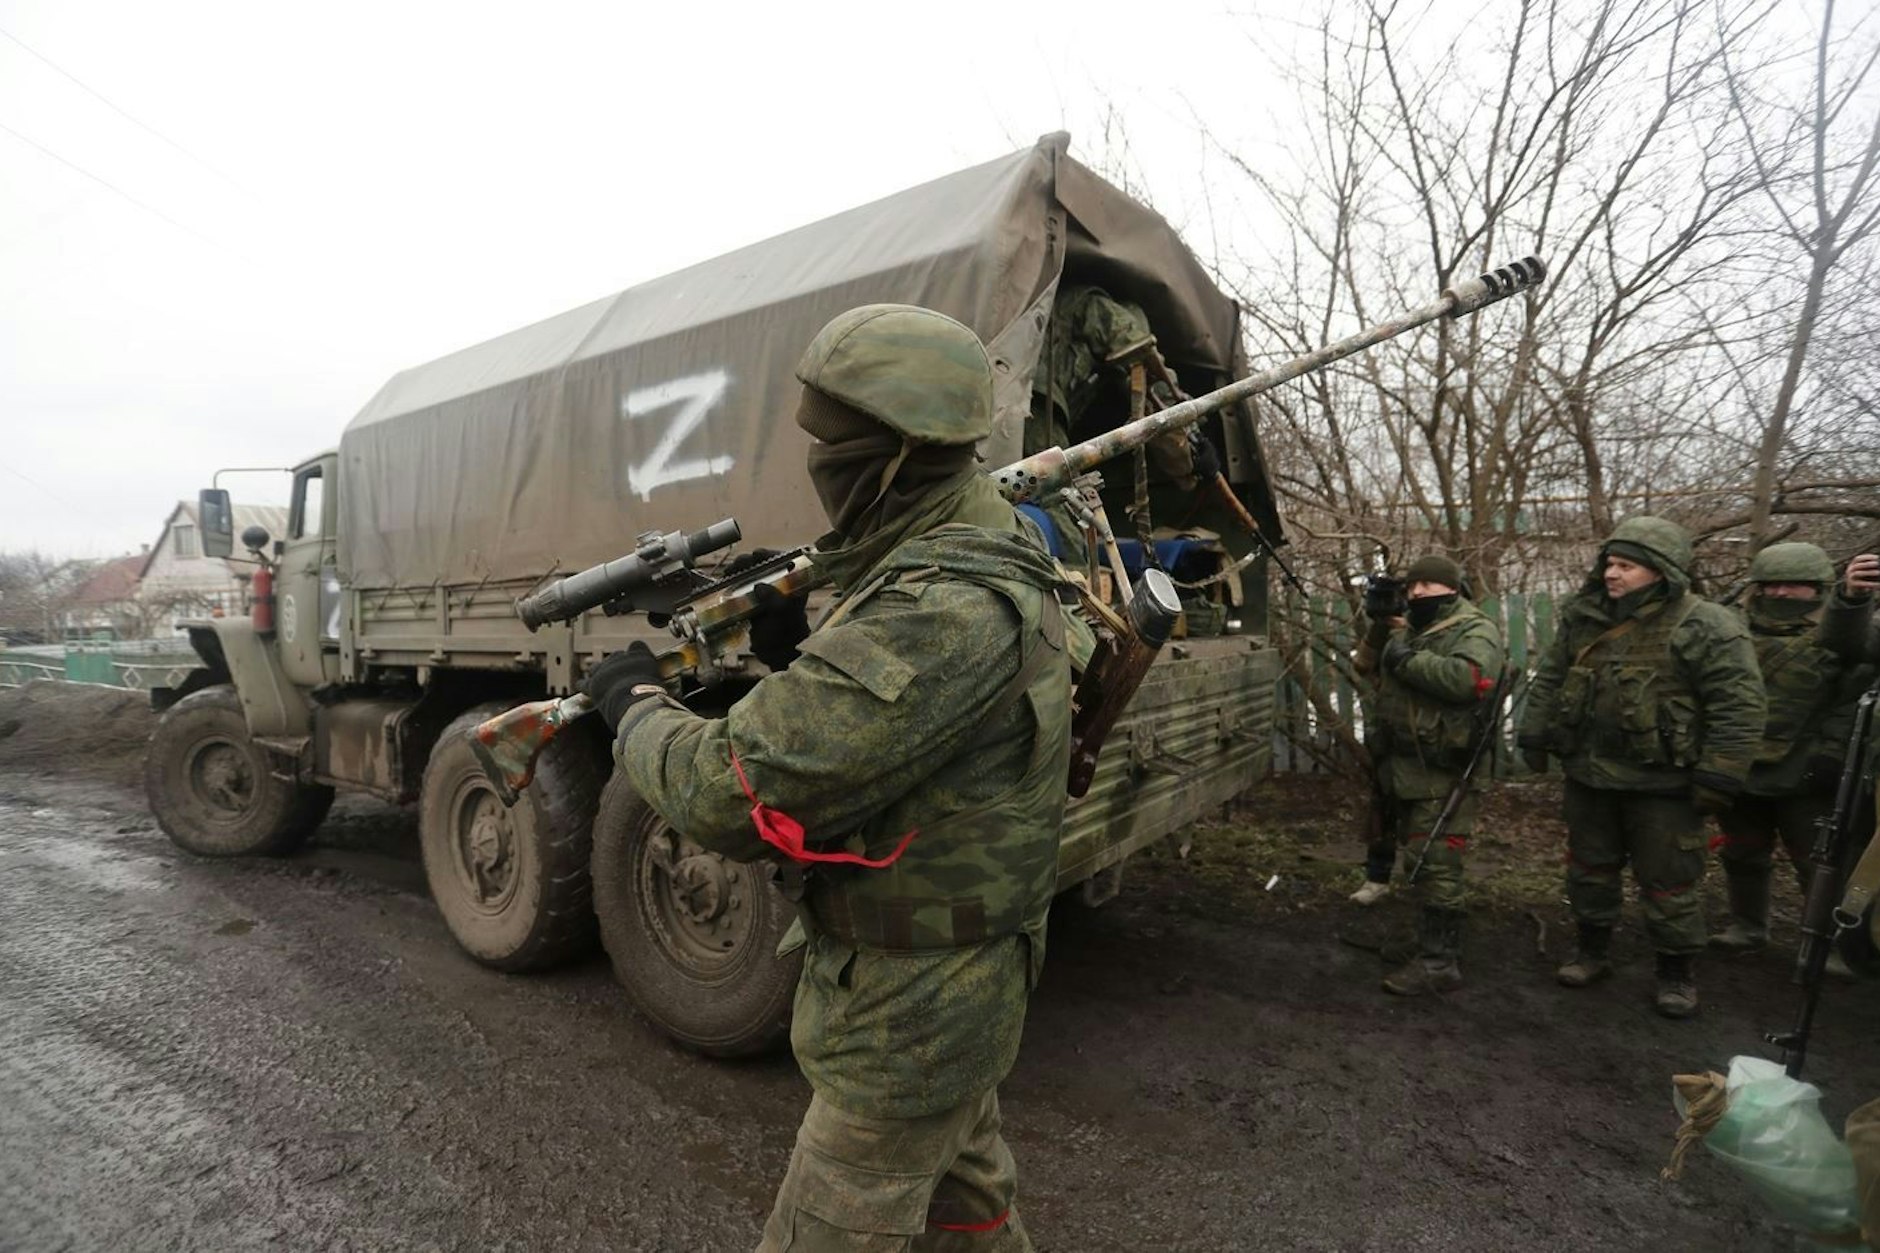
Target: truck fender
[271,702]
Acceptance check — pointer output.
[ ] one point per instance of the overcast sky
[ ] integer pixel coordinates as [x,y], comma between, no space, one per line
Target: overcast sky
[303,201]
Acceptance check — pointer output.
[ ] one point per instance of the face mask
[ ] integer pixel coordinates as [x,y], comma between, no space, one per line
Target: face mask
[1785,608]
[1426,609]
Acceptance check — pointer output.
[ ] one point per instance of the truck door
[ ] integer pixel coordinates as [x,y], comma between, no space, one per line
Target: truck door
[306,590]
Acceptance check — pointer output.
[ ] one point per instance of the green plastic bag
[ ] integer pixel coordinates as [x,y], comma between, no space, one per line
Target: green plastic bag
[1774,1136]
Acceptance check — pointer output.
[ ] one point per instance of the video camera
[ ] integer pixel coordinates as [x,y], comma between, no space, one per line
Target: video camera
[1385,596]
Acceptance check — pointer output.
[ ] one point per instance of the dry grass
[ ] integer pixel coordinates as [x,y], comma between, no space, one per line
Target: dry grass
[1308,829]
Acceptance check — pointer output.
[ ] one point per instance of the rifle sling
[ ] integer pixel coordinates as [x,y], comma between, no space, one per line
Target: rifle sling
[1605,637]
[1862,884]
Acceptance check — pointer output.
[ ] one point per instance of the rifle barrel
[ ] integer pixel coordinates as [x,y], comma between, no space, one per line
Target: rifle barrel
[1053,467]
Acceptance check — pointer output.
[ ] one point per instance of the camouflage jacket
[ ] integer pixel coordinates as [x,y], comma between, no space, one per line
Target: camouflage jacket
[1091,330]
[1423,712]
[1088,328]
[1813,670]
[1651,702]
[892,720]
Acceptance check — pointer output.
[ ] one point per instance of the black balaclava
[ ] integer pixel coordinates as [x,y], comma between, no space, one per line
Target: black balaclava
[1424,610]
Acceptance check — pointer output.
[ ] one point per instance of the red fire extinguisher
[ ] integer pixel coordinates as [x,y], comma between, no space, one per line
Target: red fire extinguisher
[262,614]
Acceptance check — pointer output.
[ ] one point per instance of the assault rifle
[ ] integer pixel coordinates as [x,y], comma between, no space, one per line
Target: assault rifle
[710,619]
[1487,729]
[1826,913]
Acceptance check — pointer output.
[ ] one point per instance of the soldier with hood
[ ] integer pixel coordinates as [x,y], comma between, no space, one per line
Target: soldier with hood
[1816,648]
[1434,667]
[908,767]
[1650,696]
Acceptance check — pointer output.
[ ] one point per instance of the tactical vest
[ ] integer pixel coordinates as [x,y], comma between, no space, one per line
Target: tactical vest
[1811,692]
[1435,732]
[981,873]
[1625,699]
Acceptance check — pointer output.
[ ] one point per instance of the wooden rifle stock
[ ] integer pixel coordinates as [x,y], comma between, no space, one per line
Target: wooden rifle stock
[1124,655]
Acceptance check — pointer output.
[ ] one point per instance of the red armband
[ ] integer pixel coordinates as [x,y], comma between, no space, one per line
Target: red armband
[785,834]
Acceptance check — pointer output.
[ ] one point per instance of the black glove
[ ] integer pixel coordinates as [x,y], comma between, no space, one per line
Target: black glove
[610,685]
[779,624]
[1396,651]
[1823,773]
[749,561]
[1207,458]
[1536,759]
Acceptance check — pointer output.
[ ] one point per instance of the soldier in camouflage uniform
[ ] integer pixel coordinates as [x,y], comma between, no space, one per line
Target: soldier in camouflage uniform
[1434,667]
[921,737]
[1650,696]
[1090,343]
[1816,650]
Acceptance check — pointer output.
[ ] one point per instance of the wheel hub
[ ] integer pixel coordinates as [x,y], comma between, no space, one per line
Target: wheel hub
[486,847]
[221,777]
[699,900]
[699,889]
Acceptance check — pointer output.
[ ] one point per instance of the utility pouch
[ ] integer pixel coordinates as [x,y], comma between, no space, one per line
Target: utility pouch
[1677,727]
[1574,708]
[1638,714]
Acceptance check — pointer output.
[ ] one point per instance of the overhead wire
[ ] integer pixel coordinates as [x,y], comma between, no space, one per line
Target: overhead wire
[107,183]
[36,483]
[121,111]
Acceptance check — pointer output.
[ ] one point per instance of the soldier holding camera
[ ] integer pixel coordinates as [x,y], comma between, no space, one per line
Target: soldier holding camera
[1435,658]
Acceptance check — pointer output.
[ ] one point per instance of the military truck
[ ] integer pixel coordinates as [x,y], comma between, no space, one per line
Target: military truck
[390,630]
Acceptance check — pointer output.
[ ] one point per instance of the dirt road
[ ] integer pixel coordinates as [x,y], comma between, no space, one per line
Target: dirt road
[231,1054]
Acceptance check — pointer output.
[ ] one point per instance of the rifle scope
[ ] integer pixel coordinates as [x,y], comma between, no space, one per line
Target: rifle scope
[657,557]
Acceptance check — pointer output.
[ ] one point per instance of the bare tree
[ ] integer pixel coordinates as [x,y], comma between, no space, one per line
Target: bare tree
[34,590]
[1815,153]
[1584,131]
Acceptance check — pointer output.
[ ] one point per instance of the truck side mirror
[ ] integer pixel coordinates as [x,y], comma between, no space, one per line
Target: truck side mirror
[217,519]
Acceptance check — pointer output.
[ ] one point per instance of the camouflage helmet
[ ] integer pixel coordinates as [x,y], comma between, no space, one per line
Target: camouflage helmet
[1664,545]
[1791,563]
[918,372]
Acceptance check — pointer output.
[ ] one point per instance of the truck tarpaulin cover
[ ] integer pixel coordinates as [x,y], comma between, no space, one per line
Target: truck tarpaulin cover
[670,405]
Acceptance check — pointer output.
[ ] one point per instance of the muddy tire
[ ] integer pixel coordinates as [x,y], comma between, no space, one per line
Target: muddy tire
[512,883]
[218,793]
[693,937]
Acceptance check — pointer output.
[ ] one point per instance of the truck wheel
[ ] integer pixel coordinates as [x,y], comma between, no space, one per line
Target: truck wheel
[512,883]
[218,793]
[693,937]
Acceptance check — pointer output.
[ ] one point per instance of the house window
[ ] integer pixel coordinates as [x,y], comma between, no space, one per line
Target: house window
[183,538]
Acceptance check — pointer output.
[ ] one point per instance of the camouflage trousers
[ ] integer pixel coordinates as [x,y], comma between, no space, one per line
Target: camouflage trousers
[1441,876]
[1662,836]
[943,1183]
[1751,827]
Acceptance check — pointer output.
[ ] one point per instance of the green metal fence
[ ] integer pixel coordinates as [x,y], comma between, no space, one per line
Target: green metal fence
[1323,631]
[135,664]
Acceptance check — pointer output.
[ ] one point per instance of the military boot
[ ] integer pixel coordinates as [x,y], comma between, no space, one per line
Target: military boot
[1748,929]
[1677,986]
[1591,961]
[1434,968]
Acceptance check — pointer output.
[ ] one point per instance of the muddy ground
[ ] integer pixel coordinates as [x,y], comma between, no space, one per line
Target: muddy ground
[292,1053]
